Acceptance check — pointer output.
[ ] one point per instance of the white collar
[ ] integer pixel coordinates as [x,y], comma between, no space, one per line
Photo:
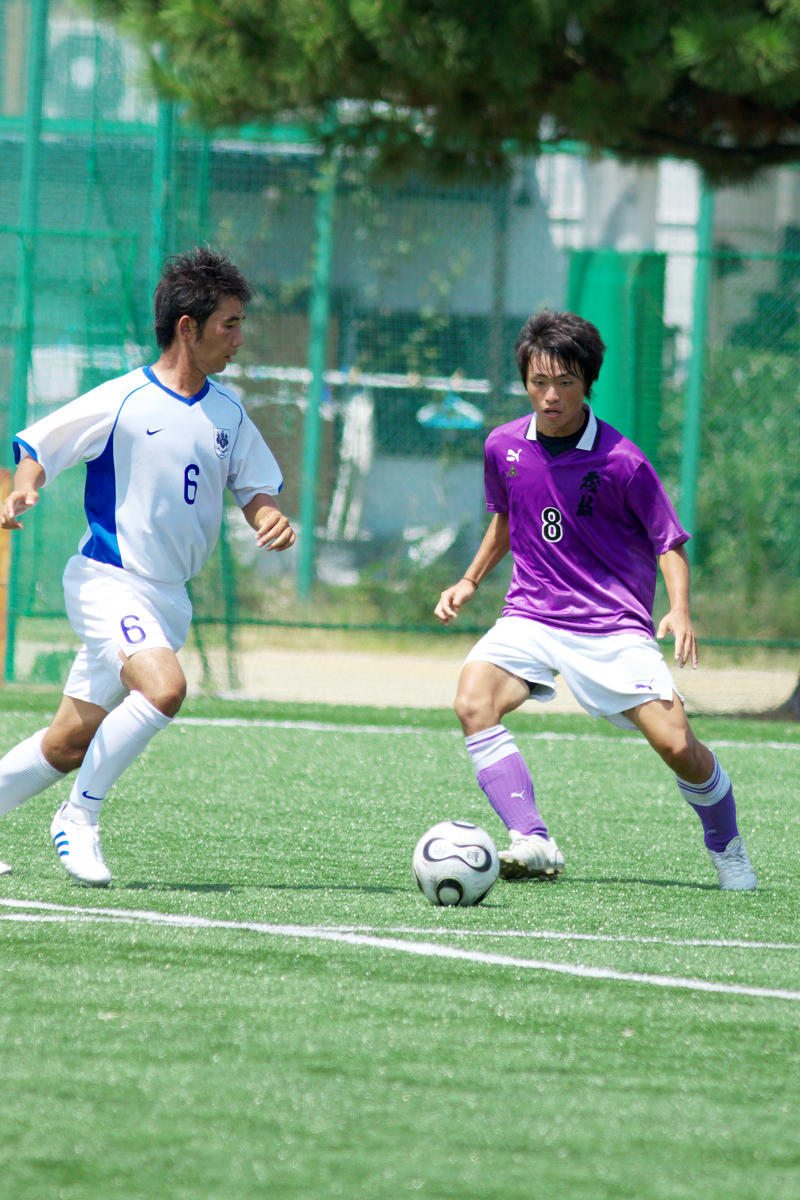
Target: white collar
[587,439]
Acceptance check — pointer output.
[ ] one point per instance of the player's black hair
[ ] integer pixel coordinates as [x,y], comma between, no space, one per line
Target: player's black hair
[194,283]
[564,337]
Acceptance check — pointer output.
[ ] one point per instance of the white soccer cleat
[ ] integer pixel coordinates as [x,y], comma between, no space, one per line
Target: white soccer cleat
[530,856]
[78,849]
[5,868]
[735,871]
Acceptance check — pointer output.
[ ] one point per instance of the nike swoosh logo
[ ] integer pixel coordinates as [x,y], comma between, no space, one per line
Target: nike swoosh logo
[86,796]
[150,432]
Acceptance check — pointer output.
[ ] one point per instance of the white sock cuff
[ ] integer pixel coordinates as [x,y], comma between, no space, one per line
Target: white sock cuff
[146,713]
[120,738]
[489,746]
[25,772]
[711,792]
[46,771]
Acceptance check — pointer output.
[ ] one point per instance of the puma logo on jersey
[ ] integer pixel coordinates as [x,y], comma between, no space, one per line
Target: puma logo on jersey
[513,455]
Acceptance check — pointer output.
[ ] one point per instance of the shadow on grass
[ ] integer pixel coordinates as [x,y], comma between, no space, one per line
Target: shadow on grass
[161,886]
[367,890]
[625,880]
[565,880]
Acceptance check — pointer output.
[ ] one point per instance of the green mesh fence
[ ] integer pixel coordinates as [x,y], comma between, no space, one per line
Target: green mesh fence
[379,350]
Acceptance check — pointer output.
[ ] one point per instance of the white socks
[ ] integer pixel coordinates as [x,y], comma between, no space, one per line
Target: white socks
[121,738]
[24,772]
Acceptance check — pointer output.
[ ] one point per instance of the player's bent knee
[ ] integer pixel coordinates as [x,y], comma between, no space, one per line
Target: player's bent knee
[166,692]
[65,760]
[168,698]
[65,755]
[159,677]
[474,711]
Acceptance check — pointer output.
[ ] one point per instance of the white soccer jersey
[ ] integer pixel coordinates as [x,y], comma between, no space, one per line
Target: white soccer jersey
[157,465]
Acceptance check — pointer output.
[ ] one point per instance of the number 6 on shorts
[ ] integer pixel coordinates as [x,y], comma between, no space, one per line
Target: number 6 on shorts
[132,632]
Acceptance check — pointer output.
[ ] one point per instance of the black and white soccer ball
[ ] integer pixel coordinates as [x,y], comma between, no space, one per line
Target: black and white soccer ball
[455,862]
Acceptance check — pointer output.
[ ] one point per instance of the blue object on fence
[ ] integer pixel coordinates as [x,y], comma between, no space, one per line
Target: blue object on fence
[451,412]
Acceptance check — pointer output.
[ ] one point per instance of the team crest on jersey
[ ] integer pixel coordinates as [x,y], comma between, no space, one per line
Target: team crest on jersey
[222,442]
[588,489]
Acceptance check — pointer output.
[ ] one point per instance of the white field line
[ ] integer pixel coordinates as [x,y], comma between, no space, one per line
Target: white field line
[545,935]
[543,735]
[632,739]
[351,937]
[553,935]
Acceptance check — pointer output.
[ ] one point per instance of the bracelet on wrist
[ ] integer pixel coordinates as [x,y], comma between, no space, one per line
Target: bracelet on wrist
[474,582]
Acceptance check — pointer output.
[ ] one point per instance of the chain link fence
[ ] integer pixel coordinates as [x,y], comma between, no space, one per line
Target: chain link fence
[379,350]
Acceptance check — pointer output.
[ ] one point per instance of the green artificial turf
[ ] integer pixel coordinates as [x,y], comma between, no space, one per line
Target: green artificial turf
[275,1011]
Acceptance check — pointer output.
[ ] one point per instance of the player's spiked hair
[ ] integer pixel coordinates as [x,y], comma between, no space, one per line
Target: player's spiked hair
[193,284]
[564,337]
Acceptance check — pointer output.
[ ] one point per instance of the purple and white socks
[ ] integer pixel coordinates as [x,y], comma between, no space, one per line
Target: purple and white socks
[502,773]
[504,776]
[715,806]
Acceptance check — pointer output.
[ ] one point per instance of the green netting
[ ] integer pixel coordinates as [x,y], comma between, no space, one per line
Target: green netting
[409,294]
[623,294]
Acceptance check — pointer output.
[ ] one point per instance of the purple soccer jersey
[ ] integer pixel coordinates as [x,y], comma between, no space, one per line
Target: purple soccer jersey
[586,527]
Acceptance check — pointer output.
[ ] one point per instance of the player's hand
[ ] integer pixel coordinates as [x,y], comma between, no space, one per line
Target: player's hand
[452,598]
[273,531]
[14,505]
[680,626]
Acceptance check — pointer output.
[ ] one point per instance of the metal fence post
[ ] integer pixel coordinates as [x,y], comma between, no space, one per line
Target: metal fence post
[693,409]
[24,317]
[318,337]
[162,191]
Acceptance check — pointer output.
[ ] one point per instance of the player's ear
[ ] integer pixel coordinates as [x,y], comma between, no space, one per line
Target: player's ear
[185,327]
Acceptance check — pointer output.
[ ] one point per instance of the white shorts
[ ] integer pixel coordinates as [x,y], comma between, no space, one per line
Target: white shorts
[115,612]
[606,674]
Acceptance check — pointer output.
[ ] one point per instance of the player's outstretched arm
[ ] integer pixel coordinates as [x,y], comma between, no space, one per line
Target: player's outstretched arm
[272,528]
[492,550]
[674,567]
[28,478]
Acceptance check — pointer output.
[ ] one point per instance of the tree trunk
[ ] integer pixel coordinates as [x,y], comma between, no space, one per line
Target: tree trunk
[790,709]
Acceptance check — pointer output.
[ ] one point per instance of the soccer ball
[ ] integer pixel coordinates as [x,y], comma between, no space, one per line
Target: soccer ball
[455,862]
